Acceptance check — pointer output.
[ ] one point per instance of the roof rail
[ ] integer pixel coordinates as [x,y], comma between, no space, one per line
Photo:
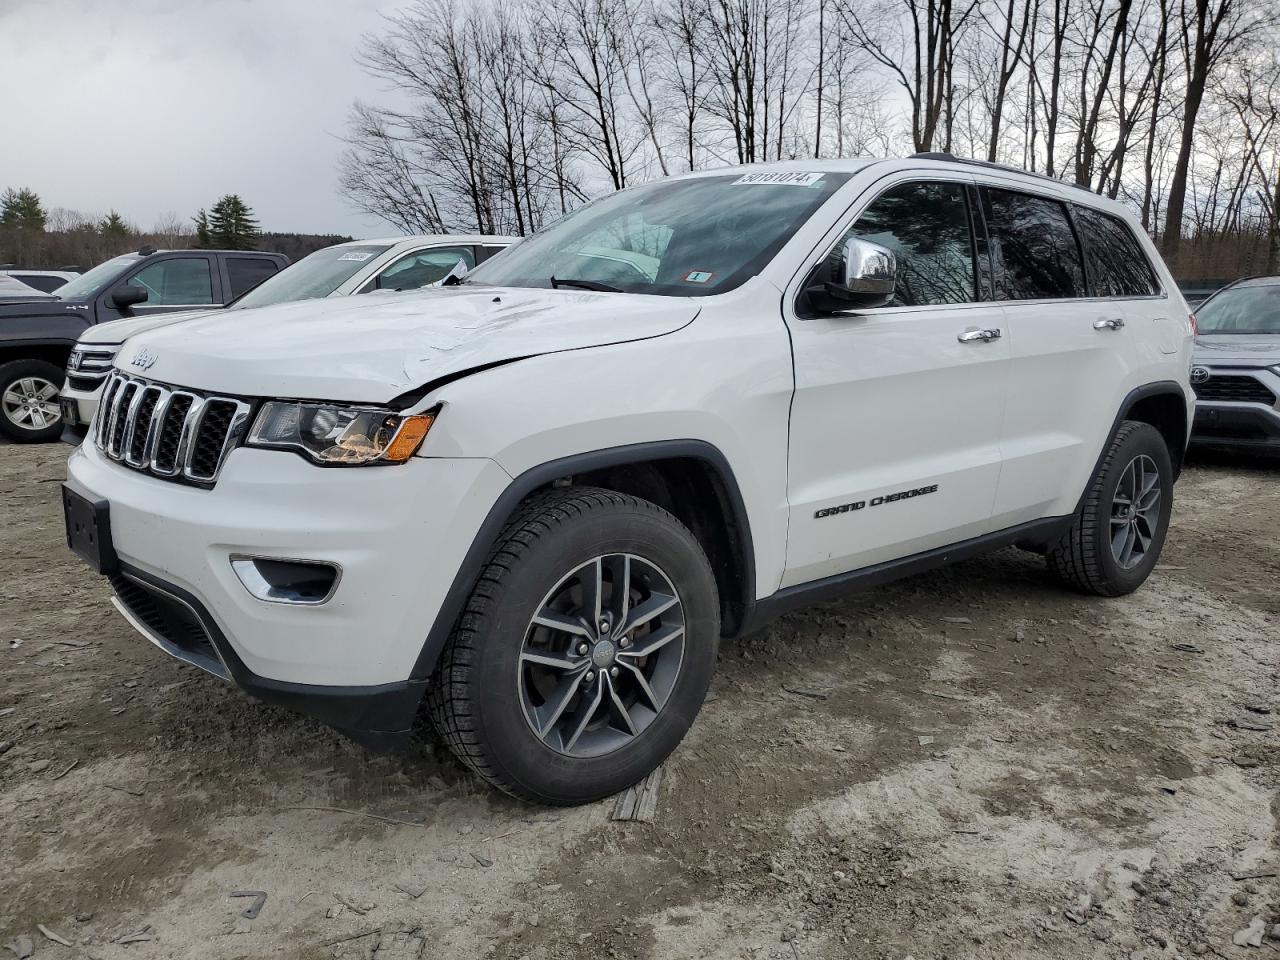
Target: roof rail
[952,158]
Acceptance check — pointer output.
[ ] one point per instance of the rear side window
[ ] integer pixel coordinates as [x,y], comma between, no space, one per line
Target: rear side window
[1035,249]
[247,272]
[926,225]
[1117,265]
[483,253]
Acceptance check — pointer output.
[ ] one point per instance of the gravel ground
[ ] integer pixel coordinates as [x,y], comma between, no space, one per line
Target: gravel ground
[971,763]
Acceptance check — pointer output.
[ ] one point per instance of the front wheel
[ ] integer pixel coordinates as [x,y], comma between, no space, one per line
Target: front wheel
[29,410]
[584,652]
[1116,537]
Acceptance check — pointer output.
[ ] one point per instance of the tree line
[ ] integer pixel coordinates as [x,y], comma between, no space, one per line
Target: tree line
[509,114]
[33,237]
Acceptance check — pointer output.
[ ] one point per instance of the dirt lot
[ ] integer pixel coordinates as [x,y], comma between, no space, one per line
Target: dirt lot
[972,763]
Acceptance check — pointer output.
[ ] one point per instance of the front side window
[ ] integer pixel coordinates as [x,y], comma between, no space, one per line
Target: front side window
[1252,307]
[926,225]
[423,268]
[1037,257]
[684,238]
[178,282]
[1117,265]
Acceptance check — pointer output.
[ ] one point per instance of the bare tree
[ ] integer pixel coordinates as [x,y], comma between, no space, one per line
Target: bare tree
[506,114]
[928,50]
[1211,30]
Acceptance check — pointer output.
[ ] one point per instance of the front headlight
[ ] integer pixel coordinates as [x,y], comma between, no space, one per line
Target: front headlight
[332,434]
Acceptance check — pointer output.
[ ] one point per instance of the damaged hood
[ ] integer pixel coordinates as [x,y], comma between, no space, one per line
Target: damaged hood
[372,348]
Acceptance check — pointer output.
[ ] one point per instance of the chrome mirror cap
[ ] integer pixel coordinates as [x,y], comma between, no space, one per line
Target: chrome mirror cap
[868,271]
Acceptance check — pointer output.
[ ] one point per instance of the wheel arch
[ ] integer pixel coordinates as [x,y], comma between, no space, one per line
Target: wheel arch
[1163,405]
[55,352]
[690,478]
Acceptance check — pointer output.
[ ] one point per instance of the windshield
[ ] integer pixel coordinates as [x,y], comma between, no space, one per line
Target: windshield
[315,275]
[684,238]
[88,284]
[1245,309]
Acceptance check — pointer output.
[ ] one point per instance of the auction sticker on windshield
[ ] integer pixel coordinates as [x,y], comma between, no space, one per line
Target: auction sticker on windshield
[360,256]
[698,276]
[785,178]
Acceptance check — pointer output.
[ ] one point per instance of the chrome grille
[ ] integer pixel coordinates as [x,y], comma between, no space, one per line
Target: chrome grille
[166,431]
[87,367]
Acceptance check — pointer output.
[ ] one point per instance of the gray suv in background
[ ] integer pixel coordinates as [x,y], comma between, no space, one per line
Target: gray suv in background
[1236,366]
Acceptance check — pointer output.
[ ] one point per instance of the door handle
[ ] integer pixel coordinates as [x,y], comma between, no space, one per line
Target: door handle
[979,336]
[1115,324]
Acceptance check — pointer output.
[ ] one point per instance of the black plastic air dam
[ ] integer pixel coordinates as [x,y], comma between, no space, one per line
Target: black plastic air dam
[378,717]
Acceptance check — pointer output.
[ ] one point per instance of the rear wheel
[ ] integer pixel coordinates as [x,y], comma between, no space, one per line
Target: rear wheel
[1118,533]
[29,411]
[584,652]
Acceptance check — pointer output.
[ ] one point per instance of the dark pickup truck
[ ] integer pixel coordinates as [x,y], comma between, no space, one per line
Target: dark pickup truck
[36,335]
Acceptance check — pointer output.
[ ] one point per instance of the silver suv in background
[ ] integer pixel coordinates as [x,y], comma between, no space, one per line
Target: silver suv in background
[360,266]
[1236,366]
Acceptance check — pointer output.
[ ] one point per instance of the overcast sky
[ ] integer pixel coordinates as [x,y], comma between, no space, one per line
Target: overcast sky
[150,106]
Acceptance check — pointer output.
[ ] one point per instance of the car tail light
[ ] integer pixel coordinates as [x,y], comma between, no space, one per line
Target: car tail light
[1191,322]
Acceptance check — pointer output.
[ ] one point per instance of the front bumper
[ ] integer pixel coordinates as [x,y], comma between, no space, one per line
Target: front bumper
[78,407]
[398,534]
[1250,419]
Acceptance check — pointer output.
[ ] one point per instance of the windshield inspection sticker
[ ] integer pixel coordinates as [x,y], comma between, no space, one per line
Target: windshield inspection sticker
[358,256]
[698,276]
[779,179]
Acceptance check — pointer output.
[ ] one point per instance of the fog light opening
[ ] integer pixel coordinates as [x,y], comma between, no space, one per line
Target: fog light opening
[301,582]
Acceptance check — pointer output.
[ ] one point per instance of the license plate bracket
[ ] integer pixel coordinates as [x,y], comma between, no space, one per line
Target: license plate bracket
[89,531]
[70,412]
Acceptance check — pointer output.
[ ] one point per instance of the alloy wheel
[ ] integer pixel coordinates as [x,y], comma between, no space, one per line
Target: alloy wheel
[1135,512]
[31,403]
[601,655]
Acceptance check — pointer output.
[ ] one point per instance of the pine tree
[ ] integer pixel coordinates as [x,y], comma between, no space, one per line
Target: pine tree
[21,208]
[113,227]
[231,225]
[201,220]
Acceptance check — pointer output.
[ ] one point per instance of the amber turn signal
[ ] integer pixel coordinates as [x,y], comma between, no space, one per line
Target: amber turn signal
[413,430]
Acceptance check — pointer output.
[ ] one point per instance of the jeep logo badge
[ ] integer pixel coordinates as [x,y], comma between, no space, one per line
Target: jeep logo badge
[1199,374]
[144,359]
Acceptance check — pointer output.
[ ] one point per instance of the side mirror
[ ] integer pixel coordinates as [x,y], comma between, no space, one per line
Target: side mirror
[863,274]
[456,274]
[129,295]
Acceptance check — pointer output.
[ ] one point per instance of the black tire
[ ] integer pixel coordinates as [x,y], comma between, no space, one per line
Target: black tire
[12,420]
[477,702]
[1084,557]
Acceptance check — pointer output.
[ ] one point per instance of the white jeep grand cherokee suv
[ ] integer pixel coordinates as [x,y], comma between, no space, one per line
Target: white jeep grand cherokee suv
[527,507]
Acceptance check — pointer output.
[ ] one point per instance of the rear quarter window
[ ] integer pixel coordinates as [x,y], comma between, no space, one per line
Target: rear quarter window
[1118,266]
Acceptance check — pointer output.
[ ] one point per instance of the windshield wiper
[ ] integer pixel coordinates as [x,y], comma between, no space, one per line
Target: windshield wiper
[585,285]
